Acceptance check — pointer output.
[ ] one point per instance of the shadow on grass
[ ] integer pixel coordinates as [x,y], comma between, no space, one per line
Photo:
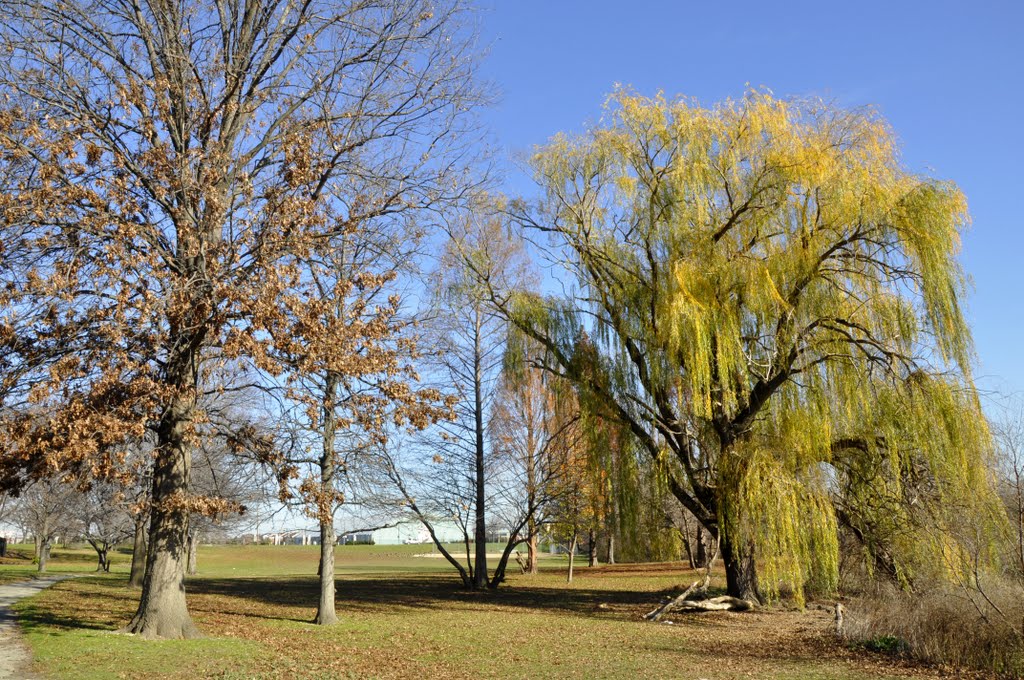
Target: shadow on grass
[34,619]
[277,598]
[384,594]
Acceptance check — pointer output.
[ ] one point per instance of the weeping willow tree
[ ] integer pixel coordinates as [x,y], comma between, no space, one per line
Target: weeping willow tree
[774,304]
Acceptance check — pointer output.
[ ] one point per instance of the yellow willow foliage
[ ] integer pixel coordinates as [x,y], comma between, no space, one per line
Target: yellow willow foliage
[766,278]
[793,521]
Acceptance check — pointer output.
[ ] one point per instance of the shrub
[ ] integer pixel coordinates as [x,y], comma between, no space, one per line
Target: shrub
[976,629]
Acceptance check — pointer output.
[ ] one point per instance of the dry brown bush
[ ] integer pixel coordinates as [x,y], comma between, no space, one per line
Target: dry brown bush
[964,628]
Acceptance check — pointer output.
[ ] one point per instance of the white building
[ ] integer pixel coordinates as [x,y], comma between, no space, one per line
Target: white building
[410,531]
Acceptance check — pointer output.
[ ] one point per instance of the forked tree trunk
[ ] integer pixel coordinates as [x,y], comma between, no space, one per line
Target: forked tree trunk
[163,612]
[102,561]
[740,571]
[138,568]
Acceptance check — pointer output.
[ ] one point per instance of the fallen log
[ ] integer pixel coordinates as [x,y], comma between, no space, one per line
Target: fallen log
[696,591]
[695,600]
[724,603]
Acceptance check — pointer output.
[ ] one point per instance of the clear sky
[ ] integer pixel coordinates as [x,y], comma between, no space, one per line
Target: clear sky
[949,77]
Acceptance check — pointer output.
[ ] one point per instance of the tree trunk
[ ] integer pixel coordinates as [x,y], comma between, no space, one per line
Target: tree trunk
[101,556]
[193,550]
[531,550]
[44,554]
[325,612]
[591,549]
[480,572]
[611,547]
[469,559]
[740,571]
[163,612]
[572,556]
[138,569]
[701,559]
[531,495]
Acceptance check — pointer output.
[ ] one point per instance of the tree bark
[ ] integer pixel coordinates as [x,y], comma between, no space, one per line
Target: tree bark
[591,549]
[138,568]
[163,612]
[740,571]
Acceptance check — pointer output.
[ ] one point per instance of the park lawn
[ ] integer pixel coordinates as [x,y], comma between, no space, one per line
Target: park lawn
[18,564]
[403,618]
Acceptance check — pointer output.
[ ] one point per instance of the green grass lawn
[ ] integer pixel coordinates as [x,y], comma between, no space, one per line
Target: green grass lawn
[406,616]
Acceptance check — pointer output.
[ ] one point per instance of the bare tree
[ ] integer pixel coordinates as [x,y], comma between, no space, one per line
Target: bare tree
[47,510]
[469,344]
[1010,438]
[105,520]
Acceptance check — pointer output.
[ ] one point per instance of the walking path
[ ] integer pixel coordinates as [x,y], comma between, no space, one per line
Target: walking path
[15,656]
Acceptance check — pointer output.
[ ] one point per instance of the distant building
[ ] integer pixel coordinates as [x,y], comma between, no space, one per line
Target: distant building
[408,532]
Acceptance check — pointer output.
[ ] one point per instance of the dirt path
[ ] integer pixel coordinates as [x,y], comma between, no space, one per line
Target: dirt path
[17,659]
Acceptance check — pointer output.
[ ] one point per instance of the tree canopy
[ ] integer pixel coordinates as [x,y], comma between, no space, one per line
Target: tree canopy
[776,307]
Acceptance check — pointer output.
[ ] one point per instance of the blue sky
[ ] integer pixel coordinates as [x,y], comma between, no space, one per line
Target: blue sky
[949,77]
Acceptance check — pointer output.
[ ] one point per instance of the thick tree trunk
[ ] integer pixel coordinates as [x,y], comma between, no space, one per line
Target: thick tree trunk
[740,571]
[611,547]
[138,568]
[163,612]
[591,549]
[480,572]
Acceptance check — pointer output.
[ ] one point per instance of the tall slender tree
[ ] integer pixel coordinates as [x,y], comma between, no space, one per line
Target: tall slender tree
[166,166]
[480,258]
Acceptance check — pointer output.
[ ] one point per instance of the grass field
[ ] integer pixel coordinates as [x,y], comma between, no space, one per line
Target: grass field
[404,616]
